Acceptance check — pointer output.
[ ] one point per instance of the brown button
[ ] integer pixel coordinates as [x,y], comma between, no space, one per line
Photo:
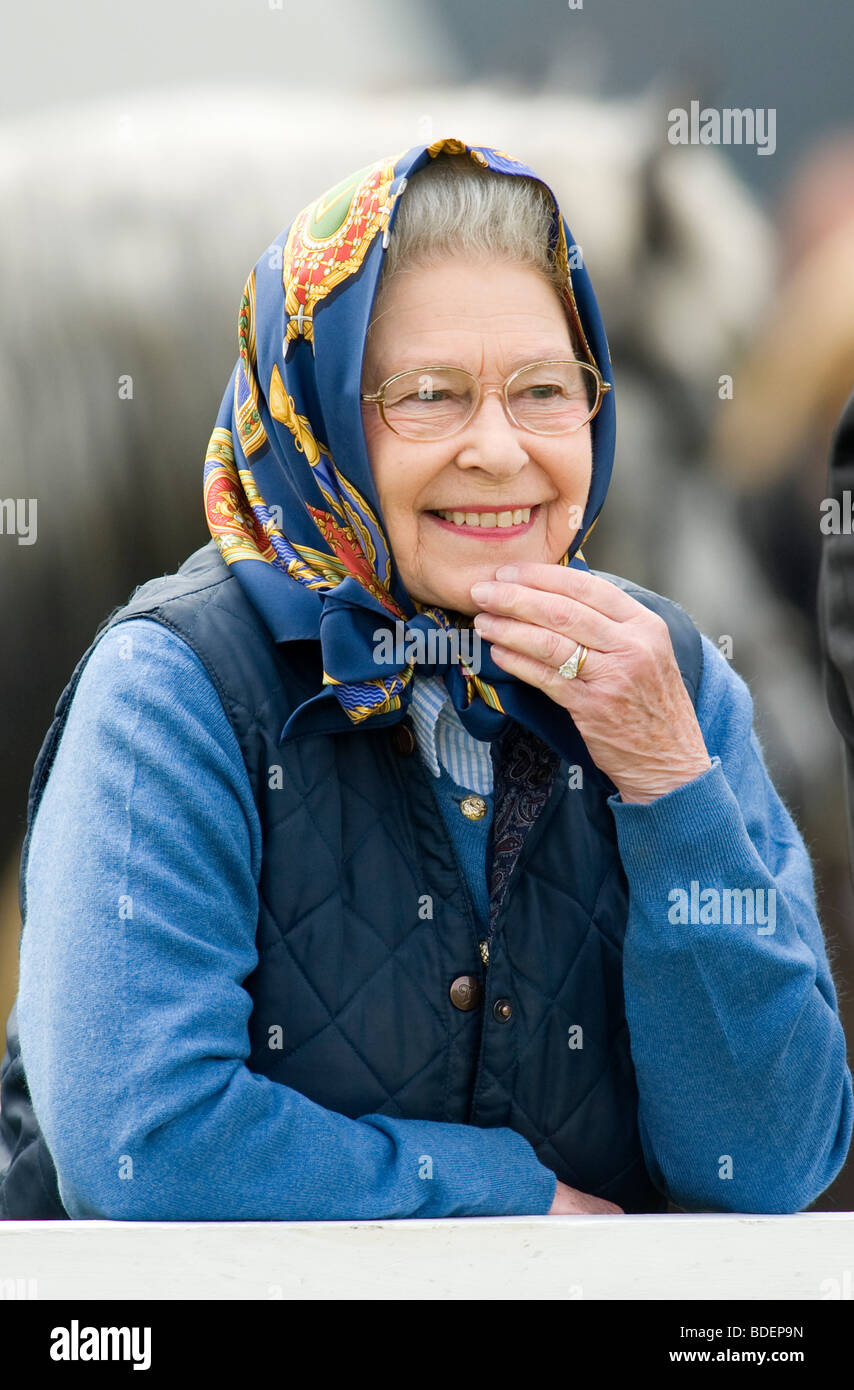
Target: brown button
[403,739]
[502,1009]
[466,992]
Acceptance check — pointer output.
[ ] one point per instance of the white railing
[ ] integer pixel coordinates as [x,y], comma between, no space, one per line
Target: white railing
[805,1256]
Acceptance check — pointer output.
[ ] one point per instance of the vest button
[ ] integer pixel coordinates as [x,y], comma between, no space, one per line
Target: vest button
[473,807]
[403,739]
[502,1010]
[466,992]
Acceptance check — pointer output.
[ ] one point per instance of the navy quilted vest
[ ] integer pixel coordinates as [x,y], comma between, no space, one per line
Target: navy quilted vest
[365,919]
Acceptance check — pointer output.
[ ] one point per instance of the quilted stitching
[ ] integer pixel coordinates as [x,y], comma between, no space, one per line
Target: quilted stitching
[353,838]
[324,815]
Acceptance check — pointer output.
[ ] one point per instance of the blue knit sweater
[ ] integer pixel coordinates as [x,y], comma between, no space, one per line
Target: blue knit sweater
[736,1040]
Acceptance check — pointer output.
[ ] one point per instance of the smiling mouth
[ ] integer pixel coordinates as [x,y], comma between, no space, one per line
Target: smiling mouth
[482,520]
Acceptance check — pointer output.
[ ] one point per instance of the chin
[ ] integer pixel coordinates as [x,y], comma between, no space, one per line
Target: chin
[466,607]
[451,599]
[463,604]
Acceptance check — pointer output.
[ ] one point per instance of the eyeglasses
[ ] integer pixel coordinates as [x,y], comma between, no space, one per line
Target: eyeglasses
[552,397]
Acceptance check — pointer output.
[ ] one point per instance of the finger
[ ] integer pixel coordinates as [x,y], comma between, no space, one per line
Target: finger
[538,673]
[528,639]
[568,617]
[581,585]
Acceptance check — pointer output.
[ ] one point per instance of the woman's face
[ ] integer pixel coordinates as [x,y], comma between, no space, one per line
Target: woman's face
[490,319]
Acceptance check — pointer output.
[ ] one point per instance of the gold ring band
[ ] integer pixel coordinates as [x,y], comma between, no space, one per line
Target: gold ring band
[571,667]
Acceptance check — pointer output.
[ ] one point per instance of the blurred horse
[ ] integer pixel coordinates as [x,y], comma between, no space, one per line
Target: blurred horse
[127,233]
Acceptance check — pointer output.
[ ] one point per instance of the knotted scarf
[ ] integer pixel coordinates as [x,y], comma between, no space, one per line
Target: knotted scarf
[289,495]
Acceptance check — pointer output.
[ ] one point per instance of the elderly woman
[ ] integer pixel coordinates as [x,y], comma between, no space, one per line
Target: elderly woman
[327,920]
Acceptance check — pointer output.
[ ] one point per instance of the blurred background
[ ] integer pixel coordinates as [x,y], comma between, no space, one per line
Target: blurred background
[148,155]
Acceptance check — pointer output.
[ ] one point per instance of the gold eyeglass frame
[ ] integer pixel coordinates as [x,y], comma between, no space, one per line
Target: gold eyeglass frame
[378,397]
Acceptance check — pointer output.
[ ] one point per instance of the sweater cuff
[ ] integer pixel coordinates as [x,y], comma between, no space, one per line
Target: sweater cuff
[526,1186]
[699,821]
[475,1171]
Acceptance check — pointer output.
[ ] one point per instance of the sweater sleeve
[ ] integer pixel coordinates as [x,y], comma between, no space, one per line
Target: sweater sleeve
[142,906]
[745,1095]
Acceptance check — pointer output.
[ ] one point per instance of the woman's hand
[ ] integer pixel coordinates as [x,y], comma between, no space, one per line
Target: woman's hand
[570,1202]
[628,702]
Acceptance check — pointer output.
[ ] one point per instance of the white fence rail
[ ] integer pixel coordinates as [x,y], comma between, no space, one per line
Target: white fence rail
[805,1256]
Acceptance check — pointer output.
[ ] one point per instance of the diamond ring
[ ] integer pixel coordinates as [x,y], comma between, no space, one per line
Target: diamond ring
[573,665]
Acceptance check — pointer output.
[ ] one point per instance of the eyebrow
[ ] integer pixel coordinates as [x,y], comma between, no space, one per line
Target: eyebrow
[564,354]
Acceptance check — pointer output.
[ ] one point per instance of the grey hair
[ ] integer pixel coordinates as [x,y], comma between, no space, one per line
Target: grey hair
[456,207]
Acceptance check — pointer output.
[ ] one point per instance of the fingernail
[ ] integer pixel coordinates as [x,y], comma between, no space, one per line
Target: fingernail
[481,590]
[507,572]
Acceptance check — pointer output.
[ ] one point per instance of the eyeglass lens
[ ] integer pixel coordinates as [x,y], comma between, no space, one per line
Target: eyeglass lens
[547,397]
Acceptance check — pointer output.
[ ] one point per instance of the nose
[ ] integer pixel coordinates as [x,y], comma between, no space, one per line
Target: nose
[490,440]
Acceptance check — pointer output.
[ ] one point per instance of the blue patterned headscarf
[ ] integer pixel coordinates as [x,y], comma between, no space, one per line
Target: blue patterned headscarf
[289,495]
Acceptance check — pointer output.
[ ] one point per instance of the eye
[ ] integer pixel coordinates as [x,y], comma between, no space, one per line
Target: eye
[414,400]
[539,391]
[435,393]
[543,392]
[428,390]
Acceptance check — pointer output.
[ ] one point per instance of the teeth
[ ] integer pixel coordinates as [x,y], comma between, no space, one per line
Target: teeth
[513,518]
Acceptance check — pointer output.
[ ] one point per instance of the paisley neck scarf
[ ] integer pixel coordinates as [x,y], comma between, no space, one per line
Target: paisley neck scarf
[289,495]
